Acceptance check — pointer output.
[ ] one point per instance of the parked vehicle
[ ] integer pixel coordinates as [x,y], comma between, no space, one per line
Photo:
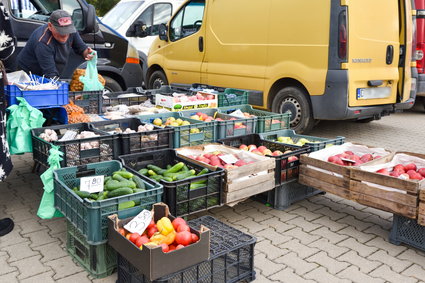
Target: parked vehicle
[420,48]
[343,60]
[118,61]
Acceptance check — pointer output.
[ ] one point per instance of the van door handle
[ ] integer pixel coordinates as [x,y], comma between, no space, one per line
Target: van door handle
[390,55]
[201,44]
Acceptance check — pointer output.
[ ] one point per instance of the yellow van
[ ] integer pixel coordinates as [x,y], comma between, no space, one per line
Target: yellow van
[322,60]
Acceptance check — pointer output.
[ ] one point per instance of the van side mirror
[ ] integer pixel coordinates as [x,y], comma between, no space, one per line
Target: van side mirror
[163,32]
[138,29]
[91,25]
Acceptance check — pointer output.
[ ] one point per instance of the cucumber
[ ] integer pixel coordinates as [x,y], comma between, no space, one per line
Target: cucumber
[144,171]
[114,184]
[176,168]
[83,194]
[75,189]
[120,192]
[167,179]
[169,166]
[139,182]
[118,177]
[94,196]
[138,190]
[171,175]
[126,205]
[196,186]
[185,175]
[152,173]
[102,196]
[156,169]
[107,179]
[156,177]
[124,174]
[203,171]
[185,168]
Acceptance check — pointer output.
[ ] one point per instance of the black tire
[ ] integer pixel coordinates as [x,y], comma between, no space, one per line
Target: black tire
[111,85]
[157,79]
[295,100]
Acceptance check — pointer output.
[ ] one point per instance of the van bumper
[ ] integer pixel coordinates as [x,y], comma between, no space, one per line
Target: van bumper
[421,85]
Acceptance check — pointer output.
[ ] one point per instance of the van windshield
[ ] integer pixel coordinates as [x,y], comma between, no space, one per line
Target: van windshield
[120,13]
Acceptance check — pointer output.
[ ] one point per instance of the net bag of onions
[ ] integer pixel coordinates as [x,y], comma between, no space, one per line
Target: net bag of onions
[75,114]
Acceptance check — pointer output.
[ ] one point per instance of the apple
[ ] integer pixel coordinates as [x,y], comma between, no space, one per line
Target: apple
[422,171]
[251,147]
[277,153]
[366,157]
[256,151]
[349,152]
[262,148]
[292,158]
[243,147]
[395,173]
[267,152]
[240,163]
[410,166]
[383,171]
[399,168]
[411,173]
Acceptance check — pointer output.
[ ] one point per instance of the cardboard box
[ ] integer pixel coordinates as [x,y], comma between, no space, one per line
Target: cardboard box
[152,261]
[177,102]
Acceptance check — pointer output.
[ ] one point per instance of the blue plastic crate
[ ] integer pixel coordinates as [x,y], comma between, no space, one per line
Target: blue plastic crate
[38,98]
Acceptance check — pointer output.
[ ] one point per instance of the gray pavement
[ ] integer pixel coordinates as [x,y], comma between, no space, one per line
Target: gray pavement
[322,239]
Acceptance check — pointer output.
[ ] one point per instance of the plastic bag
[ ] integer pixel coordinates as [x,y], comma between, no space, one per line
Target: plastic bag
[91,80]
[21,120]
[47,209]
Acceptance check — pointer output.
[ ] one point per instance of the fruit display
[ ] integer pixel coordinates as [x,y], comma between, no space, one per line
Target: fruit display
[218,117]
[184,101]
[172,122]
[406,172]
[300,142]
[120,183]
[263,150]
[169,235]
[348,158]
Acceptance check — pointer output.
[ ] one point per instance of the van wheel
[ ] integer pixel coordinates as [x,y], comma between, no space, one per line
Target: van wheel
[295,100]
[157,79]
[111,85]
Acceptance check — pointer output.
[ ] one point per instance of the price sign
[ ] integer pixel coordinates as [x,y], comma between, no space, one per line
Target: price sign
[92,184]
[229,158]
[140,222]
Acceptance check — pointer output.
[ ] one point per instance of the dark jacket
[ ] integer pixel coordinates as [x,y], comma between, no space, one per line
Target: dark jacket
[44,55]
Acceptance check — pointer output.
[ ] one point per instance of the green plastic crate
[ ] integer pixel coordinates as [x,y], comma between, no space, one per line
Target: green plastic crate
[184,135]
[232,96]
[98,260]
[315,144]
[90,217]
[266,121]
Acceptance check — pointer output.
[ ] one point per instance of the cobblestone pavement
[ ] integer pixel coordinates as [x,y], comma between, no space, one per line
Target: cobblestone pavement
[322,239]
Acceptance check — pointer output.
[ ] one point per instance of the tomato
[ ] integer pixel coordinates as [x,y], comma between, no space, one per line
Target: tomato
[128,236]
[142,240]
[151,224]
[179,247]
[171,247]
[177,222]
[134,237]
[165,248]
[183,227]
[195,238]
[152,231]
[184,238]
[122,231]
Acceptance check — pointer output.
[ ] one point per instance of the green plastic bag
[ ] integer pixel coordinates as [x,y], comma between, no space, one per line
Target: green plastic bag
[21,120]
[90,78]
[47,209]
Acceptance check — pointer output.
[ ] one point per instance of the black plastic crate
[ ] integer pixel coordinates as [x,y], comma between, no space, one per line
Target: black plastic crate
[181,200]
[122,97]
[407,231]
[231,258]
[104,146]
[285,170]
[158,138]
[90,101]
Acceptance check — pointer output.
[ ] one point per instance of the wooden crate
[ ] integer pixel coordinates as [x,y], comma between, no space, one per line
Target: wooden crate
[404,203]
[245,181]
[421,213]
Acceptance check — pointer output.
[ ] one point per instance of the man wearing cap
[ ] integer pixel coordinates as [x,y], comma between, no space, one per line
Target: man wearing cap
[49,46]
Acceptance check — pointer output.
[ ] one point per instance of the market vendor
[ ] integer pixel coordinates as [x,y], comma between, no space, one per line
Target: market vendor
[47,50]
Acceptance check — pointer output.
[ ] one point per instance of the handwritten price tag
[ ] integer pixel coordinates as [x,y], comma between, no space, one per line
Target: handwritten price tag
[140,222]
[92,184]
[228,158]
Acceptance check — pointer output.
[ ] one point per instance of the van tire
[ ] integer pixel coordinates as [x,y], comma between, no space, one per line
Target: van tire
[157,79]
[111,85]
[295,100]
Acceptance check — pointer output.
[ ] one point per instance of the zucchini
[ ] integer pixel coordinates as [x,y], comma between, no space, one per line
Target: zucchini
[118,177]
[176,168]
[139,182]
[156,169]
[126,205]
[144,171]
[83,194]
[120,192]
[124,174]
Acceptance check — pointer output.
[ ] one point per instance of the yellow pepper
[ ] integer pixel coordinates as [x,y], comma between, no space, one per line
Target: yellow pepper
[165,226]
[157,238]
[169,239]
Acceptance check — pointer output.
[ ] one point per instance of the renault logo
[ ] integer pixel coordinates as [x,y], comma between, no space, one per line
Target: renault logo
[362,60]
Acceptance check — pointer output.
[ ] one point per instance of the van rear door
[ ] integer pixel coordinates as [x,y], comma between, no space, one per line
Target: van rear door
[375,51]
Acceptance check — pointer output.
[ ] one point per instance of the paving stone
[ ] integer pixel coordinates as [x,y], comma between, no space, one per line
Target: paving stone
[364,264]
[301,250]
[382,244]
[300,266]
[358,224]
[412,255]
[9,277]
[305,238]
[309,205]
[328,234]
[329,223]
[44,277]
[356,211]
[385,224]
[258,205]
[274,237]
[19,251]
[20,215]
[307,215]
[283,215]
[252,225]
[288,275]
[30,225]
[5,268]
[362,249]
[40,238]
[353,273]
[231,216]
[110,279]
[395,264]
[378,231]
[12,238]
[272,252]
[64,267]
[267,266]
[30,266]
[389,275]
[50,251]
[307,226]
[260,278]
[79,277]
[378,212]
[333,266]
[320,274]
[325,245]
[415,271]
[330,213]
[56,226]
[278,225]
[255,214]
[356,234]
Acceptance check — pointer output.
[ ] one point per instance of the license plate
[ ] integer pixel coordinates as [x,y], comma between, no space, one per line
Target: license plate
[373,93]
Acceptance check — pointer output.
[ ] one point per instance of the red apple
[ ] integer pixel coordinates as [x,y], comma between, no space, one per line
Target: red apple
[383,171]
[410,166]
[395,173]
[366,157]
[240,163]
[256,151]
[399,168]
[292,158]
[422,171]
[243,147]
[277,153]
[349,152]
[262,148]
[251,147]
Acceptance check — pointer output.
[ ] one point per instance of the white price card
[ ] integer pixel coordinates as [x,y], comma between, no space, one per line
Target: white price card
[140,222]
[92,184]
[229,158]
